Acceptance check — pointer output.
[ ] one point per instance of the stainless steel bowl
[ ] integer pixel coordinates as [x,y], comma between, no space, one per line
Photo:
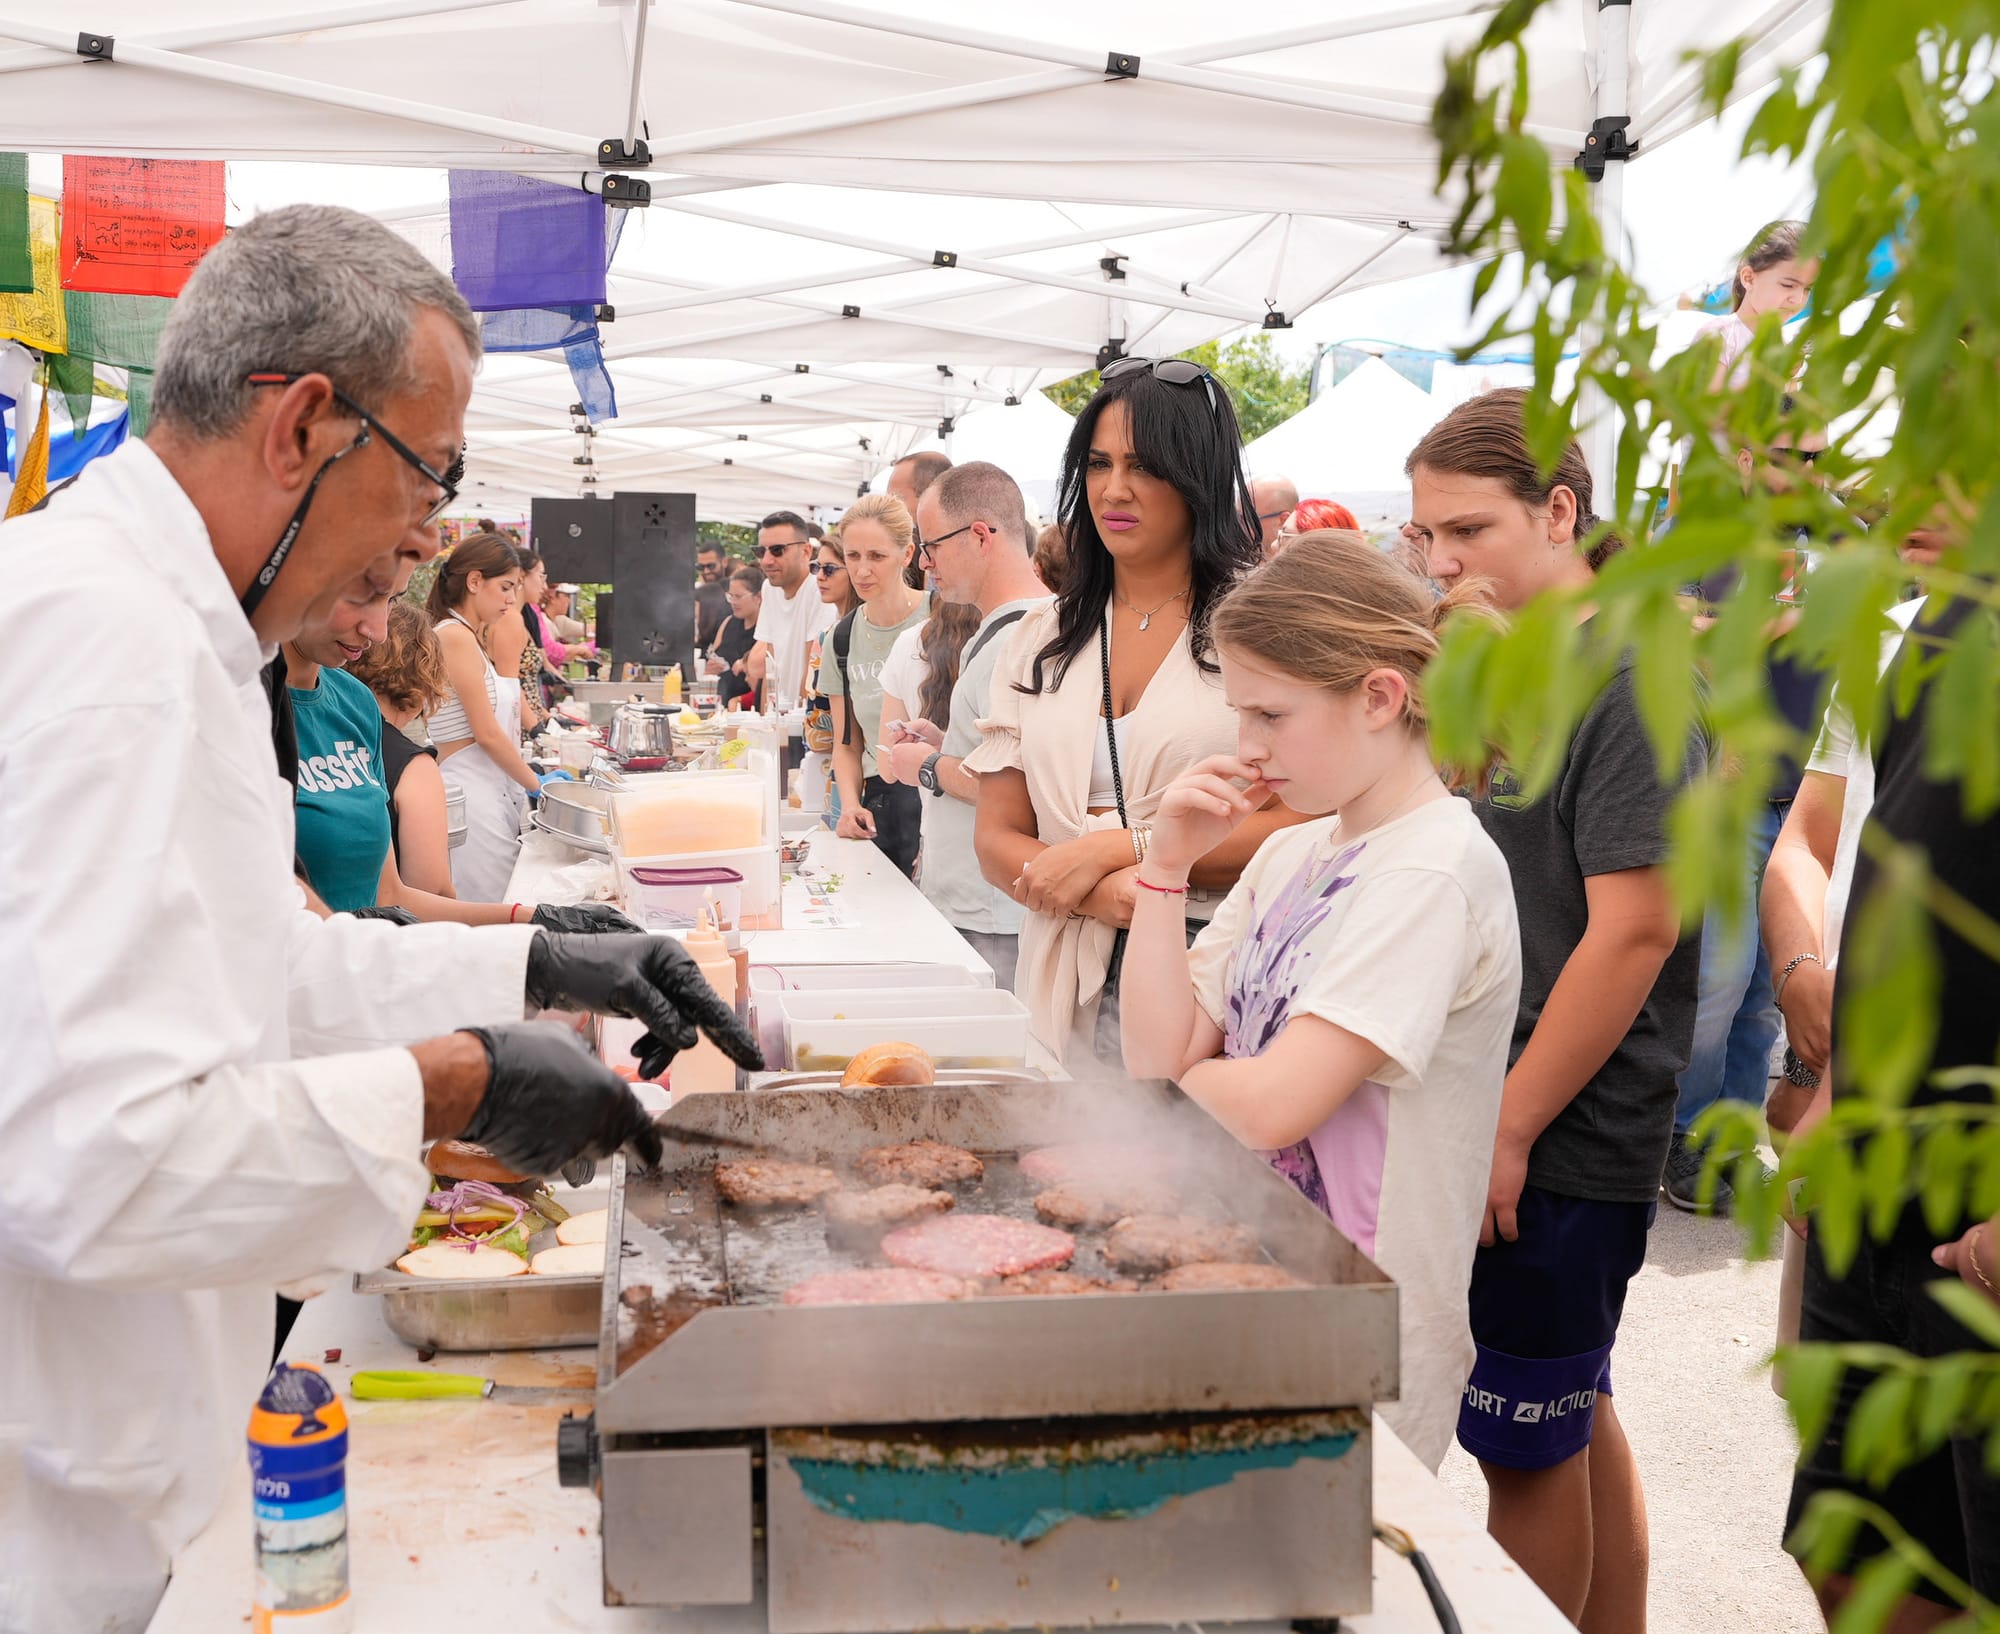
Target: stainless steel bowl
[578,814]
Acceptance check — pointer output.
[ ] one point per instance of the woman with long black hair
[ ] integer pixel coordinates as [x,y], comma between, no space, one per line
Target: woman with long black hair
[1107,695]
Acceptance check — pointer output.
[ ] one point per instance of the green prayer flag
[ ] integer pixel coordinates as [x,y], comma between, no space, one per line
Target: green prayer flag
[17,265]
[73,375]
[139,400]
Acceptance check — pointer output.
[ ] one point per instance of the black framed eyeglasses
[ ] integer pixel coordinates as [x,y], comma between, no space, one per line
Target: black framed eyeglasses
[1265,516]
[777,550]
[1798,456]
[446,482]
[826,570]
[1175,371]
[927,548]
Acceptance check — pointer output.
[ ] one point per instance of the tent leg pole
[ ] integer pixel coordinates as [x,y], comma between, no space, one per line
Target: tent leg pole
[1597,420]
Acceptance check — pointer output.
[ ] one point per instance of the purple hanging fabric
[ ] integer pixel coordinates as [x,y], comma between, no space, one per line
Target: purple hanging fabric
[517,241]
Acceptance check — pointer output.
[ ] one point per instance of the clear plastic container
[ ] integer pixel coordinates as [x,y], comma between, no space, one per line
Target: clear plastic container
[769,983]
[959,1027]
[694,813]
[757,893]
[676,898]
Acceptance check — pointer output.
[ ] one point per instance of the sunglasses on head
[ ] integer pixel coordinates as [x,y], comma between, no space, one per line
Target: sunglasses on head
[1175,371]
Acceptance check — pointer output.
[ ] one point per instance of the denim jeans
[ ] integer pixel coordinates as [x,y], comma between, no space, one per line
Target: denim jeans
[1735,1023]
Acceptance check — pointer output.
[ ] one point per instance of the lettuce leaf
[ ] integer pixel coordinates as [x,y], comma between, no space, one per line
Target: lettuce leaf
[513,1239]
[423,1235]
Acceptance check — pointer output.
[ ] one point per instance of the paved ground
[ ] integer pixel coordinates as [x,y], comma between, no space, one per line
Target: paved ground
[1714,1446]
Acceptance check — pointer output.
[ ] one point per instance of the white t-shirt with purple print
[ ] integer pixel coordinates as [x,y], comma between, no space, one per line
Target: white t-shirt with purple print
[1406,937]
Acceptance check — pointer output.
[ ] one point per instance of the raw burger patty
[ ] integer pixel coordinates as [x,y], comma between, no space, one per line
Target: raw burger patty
[978,1245]
[876,1288]
[1159,1242]
[857,1219]
[1061,1282]
[919,1163]
[1090,1205]
[768,1182]
[1192,1279]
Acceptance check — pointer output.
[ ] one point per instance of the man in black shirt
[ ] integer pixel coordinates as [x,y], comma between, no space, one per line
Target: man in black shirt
[711,594]
[1950,1501]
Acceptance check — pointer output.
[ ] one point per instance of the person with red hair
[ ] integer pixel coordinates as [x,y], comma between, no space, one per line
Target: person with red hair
[1311,516]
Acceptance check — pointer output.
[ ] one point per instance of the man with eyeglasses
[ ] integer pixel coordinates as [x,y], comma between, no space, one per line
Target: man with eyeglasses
[793,615]
[213,1093]
[1275,498]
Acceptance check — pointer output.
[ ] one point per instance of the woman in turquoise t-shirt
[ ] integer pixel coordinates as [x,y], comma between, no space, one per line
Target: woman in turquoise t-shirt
[342,804]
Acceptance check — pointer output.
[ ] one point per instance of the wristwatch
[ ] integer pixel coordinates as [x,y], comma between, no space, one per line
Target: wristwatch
[927,777]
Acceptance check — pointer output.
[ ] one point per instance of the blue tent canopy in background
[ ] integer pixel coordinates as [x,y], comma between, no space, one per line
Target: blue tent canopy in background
[67,455]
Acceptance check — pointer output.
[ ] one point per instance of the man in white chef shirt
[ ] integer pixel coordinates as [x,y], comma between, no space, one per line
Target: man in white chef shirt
[207,1095]
[793,610]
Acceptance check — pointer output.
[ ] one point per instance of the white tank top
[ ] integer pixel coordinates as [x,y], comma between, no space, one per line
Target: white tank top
[1103,787]
[447,723]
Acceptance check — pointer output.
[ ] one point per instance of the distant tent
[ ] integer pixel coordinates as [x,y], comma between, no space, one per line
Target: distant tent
[1350,442]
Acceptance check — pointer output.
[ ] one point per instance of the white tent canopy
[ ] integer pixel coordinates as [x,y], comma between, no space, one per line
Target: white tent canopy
[883,191]
[1349,443]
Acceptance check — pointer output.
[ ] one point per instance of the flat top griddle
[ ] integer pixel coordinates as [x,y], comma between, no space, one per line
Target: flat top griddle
[695,1334]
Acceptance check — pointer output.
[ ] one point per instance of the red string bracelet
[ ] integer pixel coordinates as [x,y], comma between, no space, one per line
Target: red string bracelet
[1159,890]
[513,913]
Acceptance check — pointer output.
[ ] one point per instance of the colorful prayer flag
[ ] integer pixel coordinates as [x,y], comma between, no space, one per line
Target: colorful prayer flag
[36,319]
[31,483]
[138,226]
[17,264]
[122,331]
[518,241]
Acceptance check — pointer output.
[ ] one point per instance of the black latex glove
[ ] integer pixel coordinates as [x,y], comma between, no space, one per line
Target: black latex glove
[584,919]
[549,1101]
[395,916]
[650,979]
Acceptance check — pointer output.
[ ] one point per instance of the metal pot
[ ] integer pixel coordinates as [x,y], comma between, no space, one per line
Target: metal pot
[577,814]
[454,816]
[643,732]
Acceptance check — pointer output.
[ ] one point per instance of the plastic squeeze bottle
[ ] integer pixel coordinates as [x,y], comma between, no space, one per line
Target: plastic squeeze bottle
[298,1473]
[706,1068]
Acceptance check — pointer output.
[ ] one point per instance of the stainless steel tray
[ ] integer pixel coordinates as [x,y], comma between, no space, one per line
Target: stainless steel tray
[500,1313]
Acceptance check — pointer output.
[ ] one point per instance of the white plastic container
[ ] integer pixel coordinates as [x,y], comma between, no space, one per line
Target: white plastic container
[770,983]
[960,1027]
[693,813]
[756,898]
[675,896]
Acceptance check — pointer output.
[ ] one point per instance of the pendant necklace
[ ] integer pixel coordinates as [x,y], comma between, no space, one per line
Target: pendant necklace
[1146,618]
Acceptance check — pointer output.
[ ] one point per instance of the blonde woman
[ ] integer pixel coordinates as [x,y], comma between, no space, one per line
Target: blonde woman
[878,543]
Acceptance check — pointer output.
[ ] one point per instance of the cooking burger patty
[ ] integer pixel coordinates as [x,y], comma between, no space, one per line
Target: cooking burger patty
[877,1287]
[1090,1205]
[769,1182]
[1061,1282]
[919,1163]
[1146,1243]
[1189,1279]
[978,1245]
[857,1219]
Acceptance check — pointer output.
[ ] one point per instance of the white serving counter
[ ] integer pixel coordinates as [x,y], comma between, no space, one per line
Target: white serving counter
[456,1519]
[892,920]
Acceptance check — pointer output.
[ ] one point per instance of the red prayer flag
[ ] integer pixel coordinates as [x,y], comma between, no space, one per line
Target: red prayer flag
[138,226]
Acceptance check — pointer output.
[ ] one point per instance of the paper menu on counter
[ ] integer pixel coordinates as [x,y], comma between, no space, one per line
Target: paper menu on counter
[815,903]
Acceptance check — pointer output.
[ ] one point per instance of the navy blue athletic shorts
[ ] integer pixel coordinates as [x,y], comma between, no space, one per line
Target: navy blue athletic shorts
[1545,1311]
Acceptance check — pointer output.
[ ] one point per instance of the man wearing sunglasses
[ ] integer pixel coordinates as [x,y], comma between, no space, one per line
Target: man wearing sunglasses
[793,613]
[1275,499]
[212,1093]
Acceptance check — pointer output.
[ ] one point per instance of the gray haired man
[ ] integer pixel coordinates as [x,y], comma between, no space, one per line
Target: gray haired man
[211,1092]
[977,545]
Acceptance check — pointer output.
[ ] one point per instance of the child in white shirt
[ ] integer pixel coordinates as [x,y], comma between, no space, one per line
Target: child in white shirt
[1349,1009]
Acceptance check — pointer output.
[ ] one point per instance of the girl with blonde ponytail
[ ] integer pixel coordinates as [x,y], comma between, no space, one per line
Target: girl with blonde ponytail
[1348,1010]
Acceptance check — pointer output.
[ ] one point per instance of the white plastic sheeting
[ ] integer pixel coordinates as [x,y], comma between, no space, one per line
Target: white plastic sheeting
[1151,172]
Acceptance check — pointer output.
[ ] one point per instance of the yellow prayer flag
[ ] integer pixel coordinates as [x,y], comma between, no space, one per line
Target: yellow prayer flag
[32,485]
[37,319]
